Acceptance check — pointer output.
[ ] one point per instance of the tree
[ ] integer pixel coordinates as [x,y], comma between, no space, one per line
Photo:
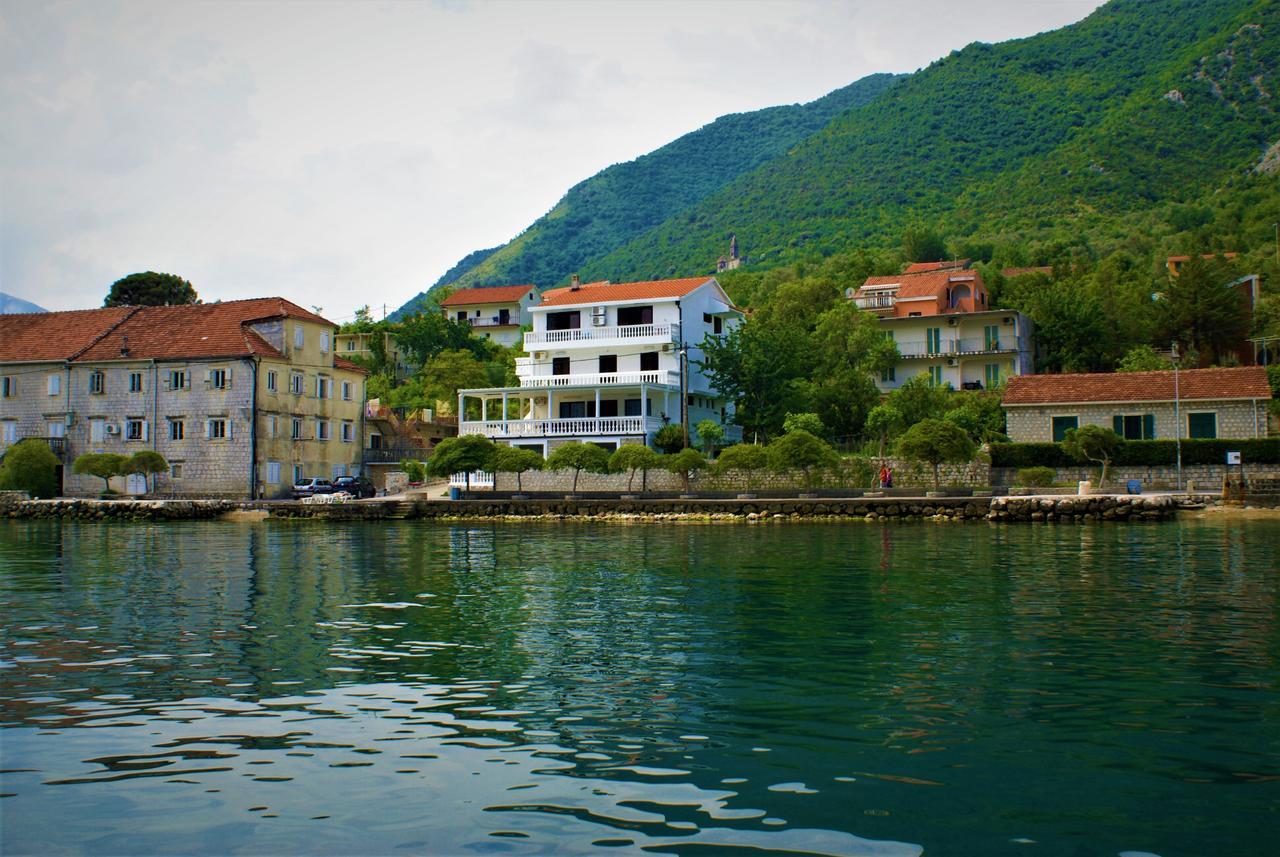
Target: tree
[462,454]
[801,450]
[685,463]
[413,469]
[29,465]
[450,371]
[577,456]
[920,243]
[710,436]
[804,422]
[511,459]
[746,458]
[918,400]
[883,422]
[850,349]
[425,335]
[761,367]
[979,414]
[936,441]
[1201,311]
[1142,358]
[151,289]
[1092,443]
[631,457]
[103,465]
[146,463]
[670,438]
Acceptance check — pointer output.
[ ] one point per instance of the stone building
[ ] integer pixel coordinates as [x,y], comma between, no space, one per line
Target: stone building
[240,397]
[1199,403]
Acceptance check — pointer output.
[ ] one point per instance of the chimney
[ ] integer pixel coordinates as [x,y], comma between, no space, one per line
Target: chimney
[124,346]
[575,283]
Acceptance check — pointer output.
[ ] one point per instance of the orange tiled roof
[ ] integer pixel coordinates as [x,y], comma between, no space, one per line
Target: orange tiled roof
[923,285]
[55,335]
[487,295]
[924,267]
[1241,382]
[605,291]
[349,365]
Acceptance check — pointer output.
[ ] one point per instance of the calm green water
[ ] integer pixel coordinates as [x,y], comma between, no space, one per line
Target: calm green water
[220,688]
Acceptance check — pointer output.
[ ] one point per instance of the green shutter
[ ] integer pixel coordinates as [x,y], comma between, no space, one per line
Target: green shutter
[1148,426]
[1117,424]
[1203,425]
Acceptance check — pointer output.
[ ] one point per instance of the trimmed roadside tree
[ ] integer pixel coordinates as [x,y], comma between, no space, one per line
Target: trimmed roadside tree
[884,421]
[811,423]
[30,466]
[670,438]
[746,458]
[632,457]
[463,454]
[801,450]
[103,465]
[1092,443]
[147,464]
[936,441]
[511,459]
[577,456]
[710,436]
[685,463]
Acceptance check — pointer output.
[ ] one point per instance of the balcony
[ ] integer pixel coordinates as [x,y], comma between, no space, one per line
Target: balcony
[632,334]
[954,347]
[668,377]
[57,445]
[494,321]
[580,427]
[881,304]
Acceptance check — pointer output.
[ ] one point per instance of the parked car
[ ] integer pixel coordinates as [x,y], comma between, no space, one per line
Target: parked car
[311,486]
[356,486]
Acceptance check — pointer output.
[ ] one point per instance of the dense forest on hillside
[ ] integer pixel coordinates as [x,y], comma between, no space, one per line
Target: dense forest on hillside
[617,204]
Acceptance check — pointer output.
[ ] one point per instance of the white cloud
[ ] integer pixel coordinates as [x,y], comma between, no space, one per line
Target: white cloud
[339,154]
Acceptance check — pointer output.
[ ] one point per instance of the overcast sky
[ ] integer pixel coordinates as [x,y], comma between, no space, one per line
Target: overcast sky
[340,154]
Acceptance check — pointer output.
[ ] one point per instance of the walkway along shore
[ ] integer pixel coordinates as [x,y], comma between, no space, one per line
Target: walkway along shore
[1060,508]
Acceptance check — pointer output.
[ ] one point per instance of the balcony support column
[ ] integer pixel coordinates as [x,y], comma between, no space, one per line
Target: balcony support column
[644,401]
[597,411]
[505,416]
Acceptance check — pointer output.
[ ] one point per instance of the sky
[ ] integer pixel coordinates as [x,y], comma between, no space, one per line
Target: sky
[348,153]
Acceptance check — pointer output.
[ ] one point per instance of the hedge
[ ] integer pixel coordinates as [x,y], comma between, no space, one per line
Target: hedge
[1140,453]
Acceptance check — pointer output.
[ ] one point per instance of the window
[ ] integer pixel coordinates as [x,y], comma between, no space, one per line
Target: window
[271,380]
[57,428]
[9,431]
[935,376]
[54,384]
[339,470]
[888,376]
[97,382]
[8,386]
[175,470]
[322,387]
[97,430]
[717,325]
[295,383]
[1203,425]
[1135,426]
[135,382]
[348,431]
[324,342]
[135,429]
[571,320]
[631,408]
[298,337]
[218,379]
[1059,426]
[559,365]
[297,473]
[322,429]
[177,429]
[649,361]
[217,429]
[609,407]
[179,379]
[608,364]
[993,375]
[460,315]
[351,345]
[629,315]
[577,410]
[297,429]
[933,340]
[273,472]
[346,391]
[271,426]
[991,337]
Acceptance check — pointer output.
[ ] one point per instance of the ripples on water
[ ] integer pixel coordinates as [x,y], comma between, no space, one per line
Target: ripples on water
[834,689]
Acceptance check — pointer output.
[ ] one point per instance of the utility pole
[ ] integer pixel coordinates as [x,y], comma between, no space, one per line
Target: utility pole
[1177,414]
[684,391]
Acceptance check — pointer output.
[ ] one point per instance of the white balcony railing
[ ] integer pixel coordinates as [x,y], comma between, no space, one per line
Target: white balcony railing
[666,376]
[478,479]
[626,333]
[874,302]
[952,347]
[562,428]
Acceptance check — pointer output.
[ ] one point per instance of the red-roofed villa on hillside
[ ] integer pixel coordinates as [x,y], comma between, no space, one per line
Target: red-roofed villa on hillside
[495,312]
[939,316]
[241,397]
[1205,403]
[604,366]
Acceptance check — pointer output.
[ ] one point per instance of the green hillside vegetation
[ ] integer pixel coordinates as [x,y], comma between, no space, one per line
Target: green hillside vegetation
[619,203]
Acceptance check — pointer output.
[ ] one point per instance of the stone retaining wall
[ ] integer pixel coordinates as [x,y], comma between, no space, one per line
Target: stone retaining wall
[1205,476]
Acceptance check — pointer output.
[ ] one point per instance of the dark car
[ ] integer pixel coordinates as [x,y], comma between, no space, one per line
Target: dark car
[356,486]
[311,486]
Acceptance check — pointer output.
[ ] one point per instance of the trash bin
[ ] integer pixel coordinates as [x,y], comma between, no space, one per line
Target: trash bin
[455,493]
[1134,486]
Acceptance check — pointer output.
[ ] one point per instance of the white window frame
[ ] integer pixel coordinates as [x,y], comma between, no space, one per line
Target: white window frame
[323,387]
[295,430]
[54,385]
[324,342]
[297,382]
[273,473]
[272,381]
[348,431]
[9,431]
[218,428]
[97,431]
[97,382]
[177,429]
[141,385]
[135,429]
[175,469]
[219,379]
[299,336]
[322,430]
[346,391]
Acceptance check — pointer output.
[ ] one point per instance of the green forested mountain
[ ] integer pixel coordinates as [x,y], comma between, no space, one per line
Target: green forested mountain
[1144,104]
[617,204]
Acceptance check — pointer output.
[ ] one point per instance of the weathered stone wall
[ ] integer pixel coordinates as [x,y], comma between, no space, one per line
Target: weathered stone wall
[1034,424]
[1205,476]
[1073,509]
[119,510]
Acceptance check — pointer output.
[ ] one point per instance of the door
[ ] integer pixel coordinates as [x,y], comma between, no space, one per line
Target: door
[504,316]
[135,484]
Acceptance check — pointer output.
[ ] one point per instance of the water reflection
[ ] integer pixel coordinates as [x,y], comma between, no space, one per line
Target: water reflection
[833,689]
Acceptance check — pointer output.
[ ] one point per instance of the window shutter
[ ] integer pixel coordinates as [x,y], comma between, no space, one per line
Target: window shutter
[1117,424]
[228,379]
[230,429]
[208,429]
[1148,426]
[146,430]
[186,378]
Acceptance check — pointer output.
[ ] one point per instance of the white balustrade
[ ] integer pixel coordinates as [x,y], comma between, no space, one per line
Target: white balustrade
[625,333]
[665,376]
[562,427]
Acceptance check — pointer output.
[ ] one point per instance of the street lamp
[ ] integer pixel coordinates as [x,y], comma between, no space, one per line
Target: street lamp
[1177,413]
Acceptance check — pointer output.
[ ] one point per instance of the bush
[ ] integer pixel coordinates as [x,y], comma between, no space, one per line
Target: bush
[1029,455]
[800,450]
[710,436]
[415,470]
[30,466]
[1036,477]
[685,463]
[1142,453]
[463,454]
[146,463]
[631,457]
[670,438]
[935,442]
[745,458]
[811,423]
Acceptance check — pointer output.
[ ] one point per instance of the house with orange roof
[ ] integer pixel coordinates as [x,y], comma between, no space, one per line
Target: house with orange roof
[1194,403]
[494,312]
[610,364]
[940,318]
[241,397]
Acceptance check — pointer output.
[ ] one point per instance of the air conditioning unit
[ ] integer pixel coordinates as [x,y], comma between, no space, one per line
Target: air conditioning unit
[1008,319]
[112,428]
[951,361]
[539,355]
[951,321]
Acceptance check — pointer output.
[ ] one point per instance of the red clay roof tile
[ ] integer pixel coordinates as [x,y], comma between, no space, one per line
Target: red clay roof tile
[923,285]
[1240,382]
[487,295]
[55,335]
[605,291]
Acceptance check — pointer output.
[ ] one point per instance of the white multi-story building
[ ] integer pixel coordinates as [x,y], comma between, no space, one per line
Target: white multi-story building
[609,363]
